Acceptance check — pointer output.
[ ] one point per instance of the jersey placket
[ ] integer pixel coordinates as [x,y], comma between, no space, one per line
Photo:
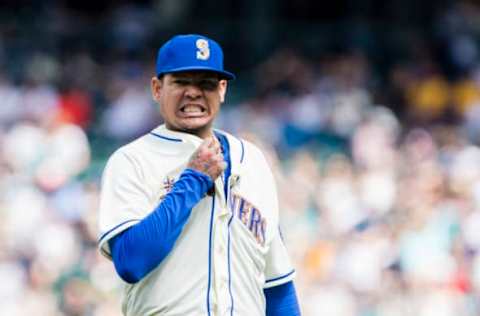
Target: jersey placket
[221,296]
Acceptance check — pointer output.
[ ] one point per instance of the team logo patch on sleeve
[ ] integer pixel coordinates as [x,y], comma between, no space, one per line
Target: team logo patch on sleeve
[168,183]
[250,216]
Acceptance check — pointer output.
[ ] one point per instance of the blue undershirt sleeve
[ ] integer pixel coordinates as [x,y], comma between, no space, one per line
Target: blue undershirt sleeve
[282,300]
[142,247]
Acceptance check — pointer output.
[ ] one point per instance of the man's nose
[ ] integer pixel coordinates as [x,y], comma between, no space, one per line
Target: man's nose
[193,91]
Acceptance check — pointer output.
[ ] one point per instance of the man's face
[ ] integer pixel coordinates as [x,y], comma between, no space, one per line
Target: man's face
[189,101]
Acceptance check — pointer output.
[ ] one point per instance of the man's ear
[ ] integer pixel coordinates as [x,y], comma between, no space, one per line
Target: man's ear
[222,89]
[156,85]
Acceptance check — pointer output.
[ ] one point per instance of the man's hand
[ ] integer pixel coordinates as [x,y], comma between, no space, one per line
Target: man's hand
[208,158]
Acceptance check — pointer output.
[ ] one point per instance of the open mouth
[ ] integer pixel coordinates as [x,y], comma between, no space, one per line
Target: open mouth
[193,110]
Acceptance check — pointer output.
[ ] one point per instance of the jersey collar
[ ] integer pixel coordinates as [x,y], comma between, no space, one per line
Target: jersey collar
[176,137]
[237,149]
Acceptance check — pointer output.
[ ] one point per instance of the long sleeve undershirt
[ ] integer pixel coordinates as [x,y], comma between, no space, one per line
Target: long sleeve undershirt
[142,247]
[282,300]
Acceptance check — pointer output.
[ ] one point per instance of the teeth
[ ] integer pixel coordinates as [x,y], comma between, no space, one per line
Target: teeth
[192,109]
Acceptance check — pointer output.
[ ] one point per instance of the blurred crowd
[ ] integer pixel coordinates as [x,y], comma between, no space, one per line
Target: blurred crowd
[378,173]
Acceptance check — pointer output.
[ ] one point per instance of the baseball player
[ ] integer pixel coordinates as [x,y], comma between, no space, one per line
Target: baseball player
[189,214]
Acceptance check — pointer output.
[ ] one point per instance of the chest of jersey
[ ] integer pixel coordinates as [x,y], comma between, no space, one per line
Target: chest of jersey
[250,200]
[222,248]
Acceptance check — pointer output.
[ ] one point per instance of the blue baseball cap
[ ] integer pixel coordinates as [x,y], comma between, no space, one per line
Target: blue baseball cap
[191,52]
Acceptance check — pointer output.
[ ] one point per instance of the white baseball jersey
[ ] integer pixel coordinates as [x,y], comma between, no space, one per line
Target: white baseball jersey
[227,253]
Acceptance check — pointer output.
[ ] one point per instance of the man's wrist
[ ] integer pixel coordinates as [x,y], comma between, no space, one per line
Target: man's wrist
[204,181]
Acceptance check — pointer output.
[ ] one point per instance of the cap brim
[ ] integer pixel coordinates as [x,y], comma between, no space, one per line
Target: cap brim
[224,74]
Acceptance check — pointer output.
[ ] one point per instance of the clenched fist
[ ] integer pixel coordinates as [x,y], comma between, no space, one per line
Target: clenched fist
[208,158]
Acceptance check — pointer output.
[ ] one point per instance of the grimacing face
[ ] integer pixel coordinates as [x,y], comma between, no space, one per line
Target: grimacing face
[189,101]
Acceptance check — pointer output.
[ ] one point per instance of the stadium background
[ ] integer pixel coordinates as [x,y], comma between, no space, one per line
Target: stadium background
[369,112]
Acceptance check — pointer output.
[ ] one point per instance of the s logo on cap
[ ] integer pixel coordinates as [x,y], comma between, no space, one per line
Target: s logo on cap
[191,52]
[203,51]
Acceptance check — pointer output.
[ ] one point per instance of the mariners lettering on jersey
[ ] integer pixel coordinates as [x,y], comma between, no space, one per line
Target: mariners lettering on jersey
[250,216]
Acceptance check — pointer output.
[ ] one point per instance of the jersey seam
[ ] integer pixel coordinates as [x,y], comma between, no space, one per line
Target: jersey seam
[229,268]
[243,151]
[210,254]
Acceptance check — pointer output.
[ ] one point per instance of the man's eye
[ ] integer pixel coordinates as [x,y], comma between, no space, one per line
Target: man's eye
[181,82]
[209,84]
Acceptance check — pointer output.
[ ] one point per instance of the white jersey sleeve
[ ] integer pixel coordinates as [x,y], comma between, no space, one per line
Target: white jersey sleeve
[123,200]
[278,269]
